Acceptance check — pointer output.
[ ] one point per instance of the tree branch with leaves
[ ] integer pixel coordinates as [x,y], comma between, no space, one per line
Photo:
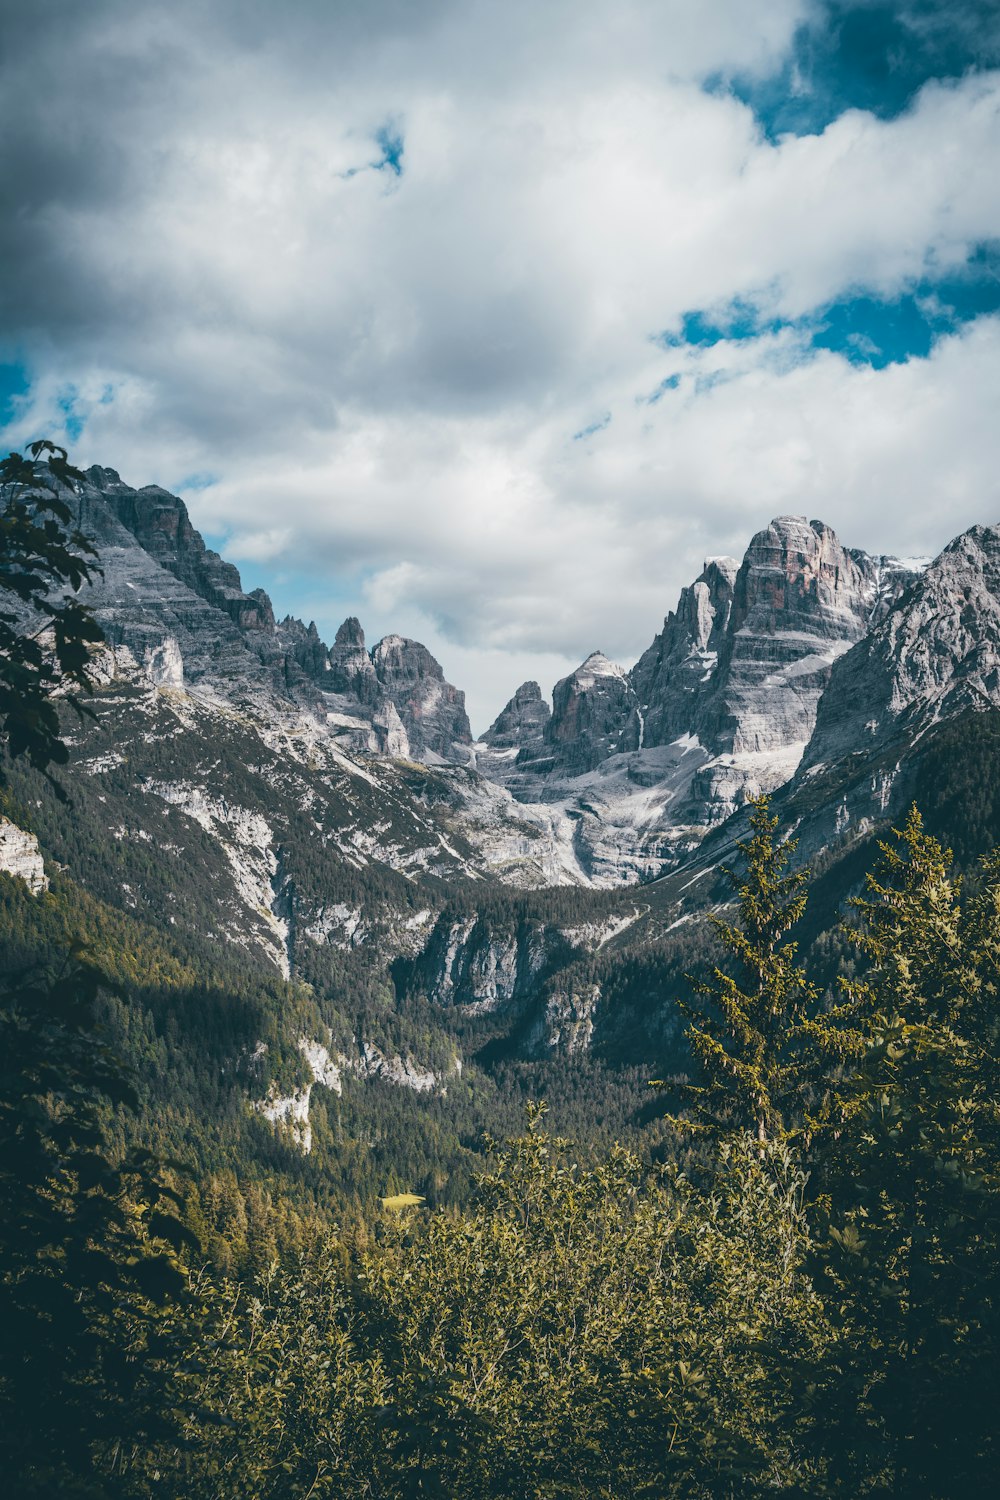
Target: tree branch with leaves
[46,634]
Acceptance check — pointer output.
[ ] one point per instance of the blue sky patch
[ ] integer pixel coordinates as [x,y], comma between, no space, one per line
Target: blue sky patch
[199,481]
[863,326]
[588,431]
[14,383]
[670,384]
[73,421]
[870,55]
[389,140]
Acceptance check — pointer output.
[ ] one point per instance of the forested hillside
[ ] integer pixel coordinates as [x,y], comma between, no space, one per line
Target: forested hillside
[332,1164]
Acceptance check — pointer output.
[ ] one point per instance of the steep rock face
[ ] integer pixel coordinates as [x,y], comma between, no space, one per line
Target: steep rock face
[670,677]
[350,667]
[20,856]
[473,962]
[522,723]
[934,655]
[142,605]
[593,716]
[182,615]
[430,709]
[799,601]
[717,710]
[300,643]
[567,1022]
[161,524]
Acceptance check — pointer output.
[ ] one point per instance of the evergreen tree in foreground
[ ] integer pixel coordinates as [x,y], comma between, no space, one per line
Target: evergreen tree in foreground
[746,1032]
[87,1249]
[907,1178]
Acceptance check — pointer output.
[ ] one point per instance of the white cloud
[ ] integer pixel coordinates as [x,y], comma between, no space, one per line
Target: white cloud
[386,373]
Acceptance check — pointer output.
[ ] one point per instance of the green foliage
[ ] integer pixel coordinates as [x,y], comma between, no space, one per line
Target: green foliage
[908,1181]
[581,1332]
[88,1248]
[746,1035]
[41,561]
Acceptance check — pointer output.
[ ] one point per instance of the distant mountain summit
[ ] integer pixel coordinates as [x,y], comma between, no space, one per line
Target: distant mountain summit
[806,666]
[178,612]
[720,707]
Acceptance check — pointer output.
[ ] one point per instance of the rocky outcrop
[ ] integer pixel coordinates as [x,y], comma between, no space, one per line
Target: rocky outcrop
[160,584]
[349,665]
[485,966]
[430,709]
[743,661]
[522,723]
[934,655]
[566,1025]
[799,601]
[717,710]
[20,856]
[160,523]
[594,716]
[670,678]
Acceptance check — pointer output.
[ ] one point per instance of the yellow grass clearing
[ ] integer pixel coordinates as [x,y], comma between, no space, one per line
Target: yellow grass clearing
[402,1200]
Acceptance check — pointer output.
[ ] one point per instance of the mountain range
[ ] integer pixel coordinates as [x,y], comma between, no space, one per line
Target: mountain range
[429,902]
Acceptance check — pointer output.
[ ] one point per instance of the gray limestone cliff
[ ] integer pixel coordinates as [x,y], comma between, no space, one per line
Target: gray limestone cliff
[717,710]
[430,709]
[670,678]
[522,723]
[935,654]
[593,716]
[181,617]
[20,856]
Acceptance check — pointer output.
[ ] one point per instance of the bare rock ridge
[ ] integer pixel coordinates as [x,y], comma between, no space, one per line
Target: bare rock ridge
[936,654]
[181,612]
[522,723]
[629,769]
[670,677]
[930,657]
[720,707]
[20,856]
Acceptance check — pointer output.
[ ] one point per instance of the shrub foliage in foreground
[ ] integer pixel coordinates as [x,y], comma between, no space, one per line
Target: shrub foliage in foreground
[581,1332]
[815,1314]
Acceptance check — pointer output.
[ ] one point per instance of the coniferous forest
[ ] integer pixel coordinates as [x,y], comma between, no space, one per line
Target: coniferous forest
[772,1270]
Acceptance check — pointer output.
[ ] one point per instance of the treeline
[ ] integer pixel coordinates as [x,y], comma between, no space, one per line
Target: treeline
[811,1308]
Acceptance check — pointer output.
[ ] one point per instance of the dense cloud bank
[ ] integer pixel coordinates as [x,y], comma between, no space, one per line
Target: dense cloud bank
[398,295]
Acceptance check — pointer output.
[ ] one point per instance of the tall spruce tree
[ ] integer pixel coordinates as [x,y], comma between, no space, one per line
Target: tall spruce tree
[745,1030]
[907,1184]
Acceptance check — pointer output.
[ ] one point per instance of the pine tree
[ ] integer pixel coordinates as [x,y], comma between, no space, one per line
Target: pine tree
[745,1034]
[907,1183]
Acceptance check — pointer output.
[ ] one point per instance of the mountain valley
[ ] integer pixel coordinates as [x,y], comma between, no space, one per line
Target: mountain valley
[413,913]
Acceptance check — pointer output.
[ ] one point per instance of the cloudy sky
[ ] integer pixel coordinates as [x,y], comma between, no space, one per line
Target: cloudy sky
[488,320]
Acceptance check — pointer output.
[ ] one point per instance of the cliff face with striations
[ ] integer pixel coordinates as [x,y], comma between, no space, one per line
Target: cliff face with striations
[934,655]
[719,708]
[180,613]
[20,856]
[624,775]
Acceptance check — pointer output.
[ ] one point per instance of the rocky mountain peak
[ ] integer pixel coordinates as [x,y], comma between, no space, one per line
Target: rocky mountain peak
[521,724]
[430,709]
[934,654]
[349,665]
[181,615]
[160,523]
[350,633]
[599,665]
[593,715]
